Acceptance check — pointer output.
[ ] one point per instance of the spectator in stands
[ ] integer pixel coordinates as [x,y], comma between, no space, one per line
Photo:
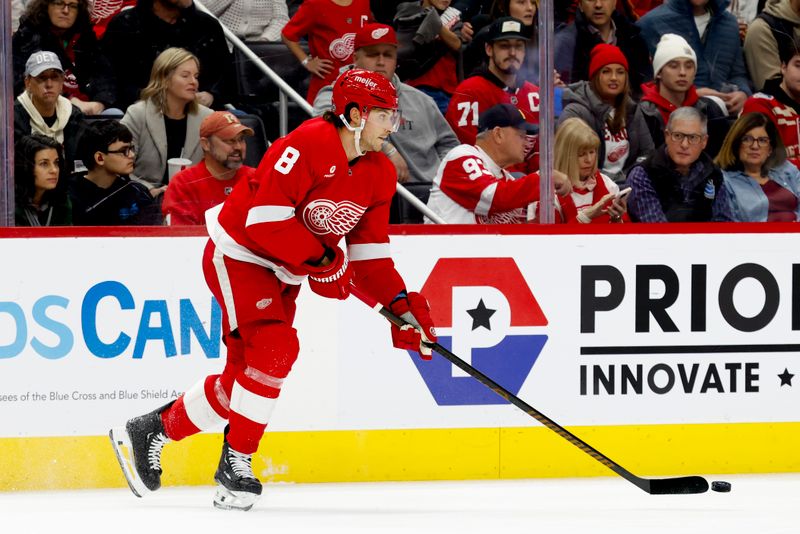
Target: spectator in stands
[472,185]
[40,188]
[525,11]
[675,65]
[251,20]
[165,123]
[678,182]
[63,27]
[775,28]
[330,26]
[496,84]
[194,190]
[135,37]
[596,22]
[780,101]
[105,196]
[565,10]
[430,34]
[594,197]
[759,184]
[713,34]
[424,137]
[40,108]
[604,103]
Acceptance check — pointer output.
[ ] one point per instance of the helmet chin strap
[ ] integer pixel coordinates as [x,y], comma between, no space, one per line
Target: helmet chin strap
[357,131]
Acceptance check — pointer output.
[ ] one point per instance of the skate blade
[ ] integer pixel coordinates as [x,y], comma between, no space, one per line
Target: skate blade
[226,499]
[124,451]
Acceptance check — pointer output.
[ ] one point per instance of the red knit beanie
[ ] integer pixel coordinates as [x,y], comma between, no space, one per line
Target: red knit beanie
[605,54]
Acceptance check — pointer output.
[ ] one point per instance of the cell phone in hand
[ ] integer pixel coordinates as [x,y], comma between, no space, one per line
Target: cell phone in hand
[624,193]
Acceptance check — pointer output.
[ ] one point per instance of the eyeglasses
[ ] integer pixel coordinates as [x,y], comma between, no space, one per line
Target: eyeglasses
[761,142]
[678,137]
[127,151]
[60,4]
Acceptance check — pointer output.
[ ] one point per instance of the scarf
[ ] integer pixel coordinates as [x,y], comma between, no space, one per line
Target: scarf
[38,126]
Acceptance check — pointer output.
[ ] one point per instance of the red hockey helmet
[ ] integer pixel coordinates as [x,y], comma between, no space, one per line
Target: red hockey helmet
[365,88]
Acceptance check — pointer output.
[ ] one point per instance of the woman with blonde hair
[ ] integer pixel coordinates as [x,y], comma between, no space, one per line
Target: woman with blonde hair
[165,122]
[759,184]
[595,198]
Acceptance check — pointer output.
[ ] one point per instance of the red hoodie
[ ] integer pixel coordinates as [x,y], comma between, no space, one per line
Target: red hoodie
[650,93]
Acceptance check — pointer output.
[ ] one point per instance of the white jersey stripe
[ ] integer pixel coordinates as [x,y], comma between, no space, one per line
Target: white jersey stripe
[485,202]
[225,287]
[254,407]
[262,214]
[198,409]
[232,249]
[368,251]
[263,378]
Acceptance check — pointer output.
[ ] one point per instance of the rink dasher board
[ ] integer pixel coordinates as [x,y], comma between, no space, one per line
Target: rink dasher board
[559,318]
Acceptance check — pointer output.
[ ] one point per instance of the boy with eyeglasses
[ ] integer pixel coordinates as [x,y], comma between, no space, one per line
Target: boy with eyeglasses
[678,182]
[780,101]
[105,196]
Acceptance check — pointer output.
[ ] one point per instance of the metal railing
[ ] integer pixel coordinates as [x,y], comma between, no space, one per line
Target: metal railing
[286,92]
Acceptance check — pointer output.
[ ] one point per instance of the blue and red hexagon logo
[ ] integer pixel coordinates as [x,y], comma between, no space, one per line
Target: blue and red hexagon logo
[486,314]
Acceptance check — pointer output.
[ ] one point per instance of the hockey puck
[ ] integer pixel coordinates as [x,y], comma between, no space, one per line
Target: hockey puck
[721,486]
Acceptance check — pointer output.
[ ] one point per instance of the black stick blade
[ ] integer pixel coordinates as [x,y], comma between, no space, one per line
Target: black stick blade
[680,485]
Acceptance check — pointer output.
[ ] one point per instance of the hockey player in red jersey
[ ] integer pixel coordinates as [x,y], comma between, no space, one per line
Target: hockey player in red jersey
[325,180]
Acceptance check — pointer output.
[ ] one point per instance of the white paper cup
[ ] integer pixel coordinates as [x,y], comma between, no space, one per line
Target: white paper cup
[176,165]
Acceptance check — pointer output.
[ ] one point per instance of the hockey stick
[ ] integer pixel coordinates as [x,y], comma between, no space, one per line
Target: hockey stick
[653,486]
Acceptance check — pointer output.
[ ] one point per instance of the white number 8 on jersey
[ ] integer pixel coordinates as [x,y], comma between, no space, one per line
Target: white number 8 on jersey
[287,160]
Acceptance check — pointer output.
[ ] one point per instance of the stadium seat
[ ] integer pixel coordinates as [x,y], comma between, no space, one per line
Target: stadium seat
[257,144]
[257,93]
[402,212]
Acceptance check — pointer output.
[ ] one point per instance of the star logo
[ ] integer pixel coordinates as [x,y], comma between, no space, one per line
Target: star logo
[786,378]
[481,315]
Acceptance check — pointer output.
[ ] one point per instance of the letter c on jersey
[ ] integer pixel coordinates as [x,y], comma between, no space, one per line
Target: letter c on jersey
[485,313]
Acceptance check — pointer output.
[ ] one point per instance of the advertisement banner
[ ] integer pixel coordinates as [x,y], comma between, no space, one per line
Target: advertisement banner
[589,329]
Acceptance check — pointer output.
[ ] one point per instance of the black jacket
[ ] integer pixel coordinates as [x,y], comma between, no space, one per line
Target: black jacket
[124,203]
[667,183]
[135,37]
[574,43]
[91,68]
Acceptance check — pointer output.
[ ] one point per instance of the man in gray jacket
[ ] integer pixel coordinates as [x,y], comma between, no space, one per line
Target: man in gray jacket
[776,27]
[424,137]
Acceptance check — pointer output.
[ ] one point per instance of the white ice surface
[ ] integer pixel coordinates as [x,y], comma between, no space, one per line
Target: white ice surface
[764,504]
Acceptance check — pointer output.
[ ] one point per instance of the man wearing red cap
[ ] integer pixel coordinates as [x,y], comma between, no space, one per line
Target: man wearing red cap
[423,137]
[194,190]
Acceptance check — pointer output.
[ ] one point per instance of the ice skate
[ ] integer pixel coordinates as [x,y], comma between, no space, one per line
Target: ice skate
[138,446]
[237,486]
